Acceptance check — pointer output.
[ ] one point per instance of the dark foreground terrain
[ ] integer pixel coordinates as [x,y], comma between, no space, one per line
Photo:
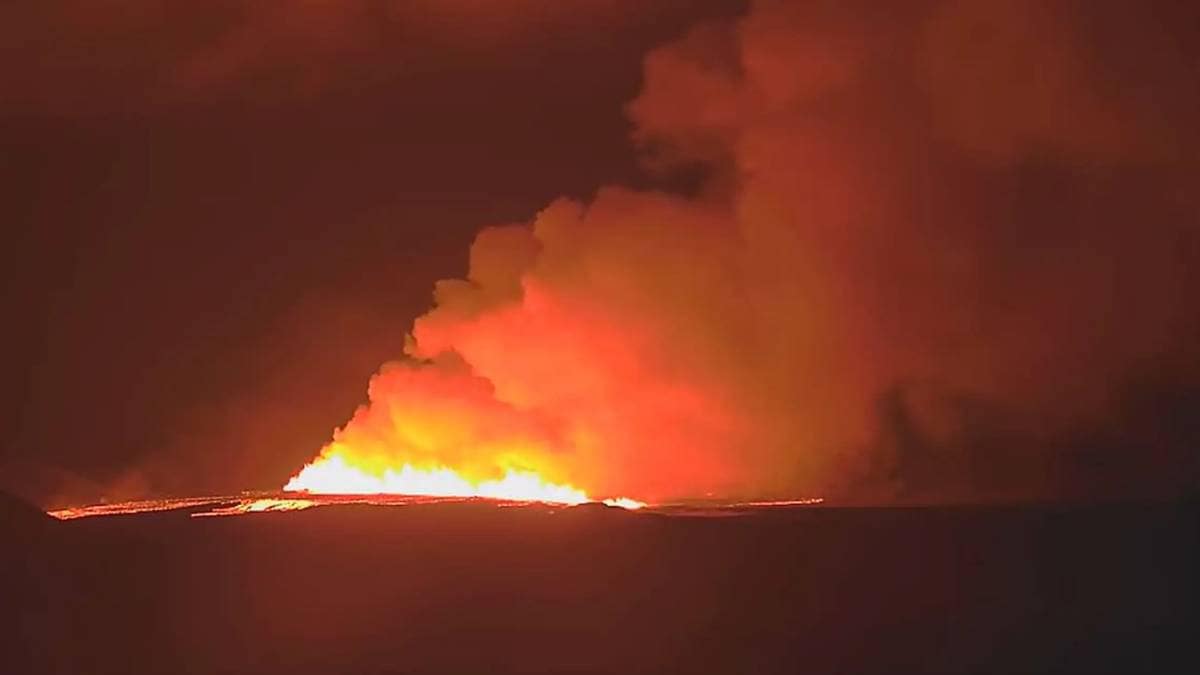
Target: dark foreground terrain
[471,588]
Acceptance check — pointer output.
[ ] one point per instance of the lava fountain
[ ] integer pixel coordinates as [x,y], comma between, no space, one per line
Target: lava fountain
[438,430]
[333,475]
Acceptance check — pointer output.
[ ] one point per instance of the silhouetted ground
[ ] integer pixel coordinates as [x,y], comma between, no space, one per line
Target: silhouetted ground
[470,588]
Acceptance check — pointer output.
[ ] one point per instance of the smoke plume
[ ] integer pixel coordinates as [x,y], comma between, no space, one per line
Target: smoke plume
[939,250]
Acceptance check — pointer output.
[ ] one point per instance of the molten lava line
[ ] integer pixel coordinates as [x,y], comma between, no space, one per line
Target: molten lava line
[265,502]
[333,475]
[261,505]
[331,480]
[811,501]
[139,506]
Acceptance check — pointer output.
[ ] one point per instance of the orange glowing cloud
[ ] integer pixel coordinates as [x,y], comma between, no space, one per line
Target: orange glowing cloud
[857,302]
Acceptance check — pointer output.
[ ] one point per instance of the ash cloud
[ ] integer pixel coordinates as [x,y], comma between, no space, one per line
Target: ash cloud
[944,250]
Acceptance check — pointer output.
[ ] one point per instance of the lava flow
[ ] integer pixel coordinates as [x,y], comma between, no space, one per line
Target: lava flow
[274,502]
[331,474]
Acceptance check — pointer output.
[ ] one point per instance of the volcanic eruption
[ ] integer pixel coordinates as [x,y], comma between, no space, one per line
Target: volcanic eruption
[773,336]
[882,263]
[919,276]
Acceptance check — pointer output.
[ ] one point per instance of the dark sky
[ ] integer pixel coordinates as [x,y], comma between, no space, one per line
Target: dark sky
[219,221]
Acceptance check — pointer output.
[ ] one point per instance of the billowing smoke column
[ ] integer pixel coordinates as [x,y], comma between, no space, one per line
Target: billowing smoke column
[940,251]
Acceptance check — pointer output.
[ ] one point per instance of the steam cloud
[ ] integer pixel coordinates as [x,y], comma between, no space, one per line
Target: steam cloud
[941,250]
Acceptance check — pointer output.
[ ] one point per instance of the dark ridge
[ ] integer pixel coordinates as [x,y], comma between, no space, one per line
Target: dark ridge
[19,516]
[467,587]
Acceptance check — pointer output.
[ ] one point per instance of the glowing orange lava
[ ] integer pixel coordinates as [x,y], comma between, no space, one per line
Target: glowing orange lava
[123,508]
[261,505]
[625,503]
[810,501]
[331,474]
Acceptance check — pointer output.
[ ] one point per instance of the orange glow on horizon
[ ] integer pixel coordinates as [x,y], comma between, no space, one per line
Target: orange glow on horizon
[332,474]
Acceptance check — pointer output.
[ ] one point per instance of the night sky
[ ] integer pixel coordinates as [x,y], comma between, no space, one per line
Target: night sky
[220,220]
